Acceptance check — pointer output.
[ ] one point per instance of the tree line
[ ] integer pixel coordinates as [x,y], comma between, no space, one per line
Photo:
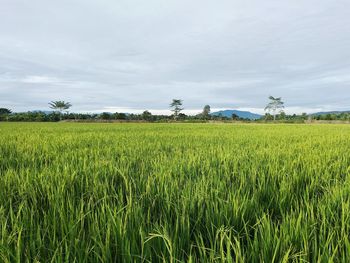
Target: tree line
[60,111]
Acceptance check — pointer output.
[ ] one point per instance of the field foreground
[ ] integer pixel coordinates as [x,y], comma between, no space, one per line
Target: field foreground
[174,193]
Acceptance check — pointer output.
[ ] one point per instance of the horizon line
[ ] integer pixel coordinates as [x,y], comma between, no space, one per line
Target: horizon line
[258,111]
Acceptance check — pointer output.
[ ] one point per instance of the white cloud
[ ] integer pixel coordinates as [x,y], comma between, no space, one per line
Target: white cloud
[41,80]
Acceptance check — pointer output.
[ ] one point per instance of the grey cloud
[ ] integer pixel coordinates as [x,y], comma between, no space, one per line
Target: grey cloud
[140,54]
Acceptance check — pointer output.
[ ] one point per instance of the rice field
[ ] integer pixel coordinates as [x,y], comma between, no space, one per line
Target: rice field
[174,193]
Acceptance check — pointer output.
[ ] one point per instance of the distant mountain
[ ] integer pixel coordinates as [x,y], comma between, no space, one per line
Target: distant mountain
[329,112]
[241,114]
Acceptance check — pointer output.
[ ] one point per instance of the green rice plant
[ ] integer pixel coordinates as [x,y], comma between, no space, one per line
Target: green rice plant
[73,192]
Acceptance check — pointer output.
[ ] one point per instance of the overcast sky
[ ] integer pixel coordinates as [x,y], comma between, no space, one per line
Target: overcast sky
[128,55]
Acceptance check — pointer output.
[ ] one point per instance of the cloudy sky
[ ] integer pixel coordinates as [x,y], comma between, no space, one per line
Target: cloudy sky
[132,55]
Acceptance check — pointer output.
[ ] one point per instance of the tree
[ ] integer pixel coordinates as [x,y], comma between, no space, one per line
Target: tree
[182,116]
[146,115]
[120,116]
[206,112]
[176,105]
[275,106]
[60,106]
[105,116]
[235,117]
[4,111]
[304,116]
[282,115]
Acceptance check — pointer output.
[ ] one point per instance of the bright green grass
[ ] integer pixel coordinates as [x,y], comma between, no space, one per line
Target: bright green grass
[174,193]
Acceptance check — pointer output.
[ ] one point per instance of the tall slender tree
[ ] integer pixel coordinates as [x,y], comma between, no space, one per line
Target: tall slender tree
[176,107]
[275,106]
[206,112]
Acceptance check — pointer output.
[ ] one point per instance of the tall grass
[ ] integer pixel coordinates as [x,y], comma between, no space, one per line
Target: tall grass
[174,193]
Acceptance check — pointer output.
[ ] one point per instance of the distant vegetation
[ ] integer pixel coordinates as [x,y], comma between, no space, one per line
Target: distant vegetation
[38,116]
[274,112]
[147,116]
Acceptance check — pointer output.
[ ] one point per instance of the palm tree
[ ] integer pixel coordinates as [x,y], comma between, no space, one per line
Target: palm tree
[275,106]
[60,106]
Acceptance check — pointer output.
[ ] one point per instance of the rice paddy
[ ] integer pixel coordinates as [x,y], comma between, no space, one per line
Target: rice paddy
[174,193]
